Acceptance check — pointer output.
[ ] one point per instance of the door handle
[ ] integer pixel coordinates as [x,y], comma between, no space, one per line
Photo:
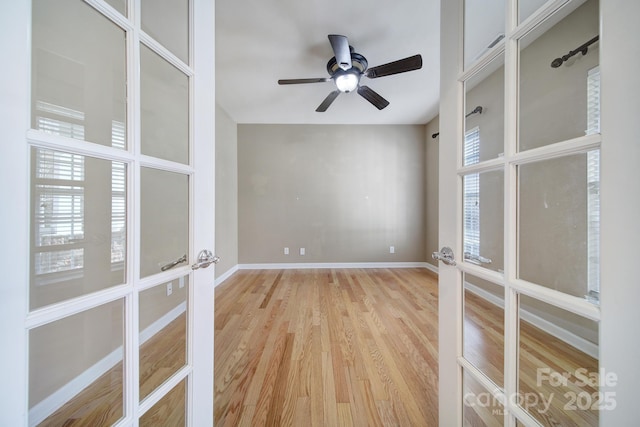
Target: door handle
[445,255]
[205,259]
[476,259]
[172,264]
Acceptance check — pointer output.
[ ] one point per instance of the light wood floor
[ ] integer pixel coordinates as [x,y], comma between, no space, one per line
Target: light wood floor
[484,347]
[336,348]
[327,347]
[100,404]
[359,347]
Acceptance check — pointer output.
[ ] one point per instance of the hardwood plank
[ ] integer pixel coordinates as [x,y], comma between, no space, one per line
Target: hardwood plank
[337,347]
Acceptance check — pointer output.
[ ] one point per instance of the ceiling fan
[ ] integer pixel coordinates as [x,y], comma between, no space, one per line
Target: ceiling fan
[346,69]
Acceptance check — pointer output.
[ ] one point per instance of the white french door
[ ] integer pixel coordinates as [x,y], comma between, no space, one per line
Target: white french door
[108,110]
[537,206]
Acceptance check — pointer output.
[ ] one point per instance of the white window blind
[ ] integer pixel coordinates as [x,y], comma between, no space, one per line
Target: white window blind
[59,211]
[471,194]
[118,197]
[59,189]
[593,187]
[58,120]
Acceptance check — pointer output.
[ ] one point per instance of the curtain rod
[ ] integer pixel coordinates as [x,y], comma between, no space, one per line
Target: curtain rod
[478,110]
[581,49]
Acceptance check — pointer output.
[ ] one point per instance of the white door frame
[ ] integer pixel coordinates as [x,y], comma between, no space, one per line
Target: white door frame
[620,203]
[15,47]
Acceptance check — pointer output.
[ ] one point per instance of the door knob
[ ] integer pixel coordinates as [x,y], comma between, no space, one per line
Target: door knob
[205,259]
[445,255]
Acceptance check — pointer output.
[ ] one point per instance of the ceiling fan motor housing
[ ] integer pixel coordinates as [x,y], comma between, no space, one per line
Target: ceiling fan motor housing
[358,62]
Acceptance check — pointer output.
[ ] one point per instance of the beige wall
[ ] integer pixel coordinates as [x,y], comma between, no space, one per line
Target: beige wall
[226,192]
[552,237]
[344,193]
[164,224]
[154,303]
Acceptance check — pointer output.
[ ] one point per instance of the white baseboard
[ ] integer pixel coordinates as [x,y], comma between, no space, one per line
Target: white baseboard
[301,265]
[568,337]
[225,275]
[162,322]
[57,399]
[431,267]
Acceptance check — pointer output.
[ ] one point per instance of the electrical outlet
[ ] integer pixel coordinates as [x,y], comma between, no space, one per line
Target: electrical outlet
[181,282]
[302,251]
[392,249]
[169,288]
[286,251]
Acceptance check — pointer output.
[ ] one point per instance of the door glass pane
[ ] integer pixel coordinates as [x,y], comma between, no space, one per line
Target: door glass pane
[119,5]
[167,21]
[164,97]
[76,368]
[171,410]
[163,333]
[483,211]
[558,369]
[483,339]
[78,83]
[79,235]
[484,114]
[484,22]
[559,224]
[526,8]
[554,104]
[480,408]
[164,223]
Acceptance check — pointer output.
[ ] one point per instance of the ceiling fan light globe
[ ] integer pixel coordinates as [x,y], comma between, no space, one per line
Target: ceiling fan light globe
[347,82]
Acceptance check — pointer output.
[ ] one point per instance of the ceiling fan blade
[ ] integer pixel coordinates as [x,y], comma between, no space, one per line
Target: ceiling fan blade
[400,66]
[373,97]
[327,101]
[340,46]
[299,81]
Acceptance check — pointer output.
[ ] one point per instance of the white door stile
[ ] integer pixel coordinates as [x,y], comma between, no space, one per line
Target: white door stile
[134,131]
[450,286]
[510,212]
[14,166]
[620,157]
[201,332]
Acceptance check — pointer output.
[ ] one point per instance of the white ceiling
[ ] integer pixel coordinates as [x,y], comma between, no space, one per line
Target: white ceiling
[261,41]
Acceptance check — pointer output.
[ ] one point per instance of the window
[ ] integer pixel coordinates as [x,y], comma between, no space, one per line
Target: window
[593,188]
[471,195]
[59,190]
[59,216]
[118,199]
